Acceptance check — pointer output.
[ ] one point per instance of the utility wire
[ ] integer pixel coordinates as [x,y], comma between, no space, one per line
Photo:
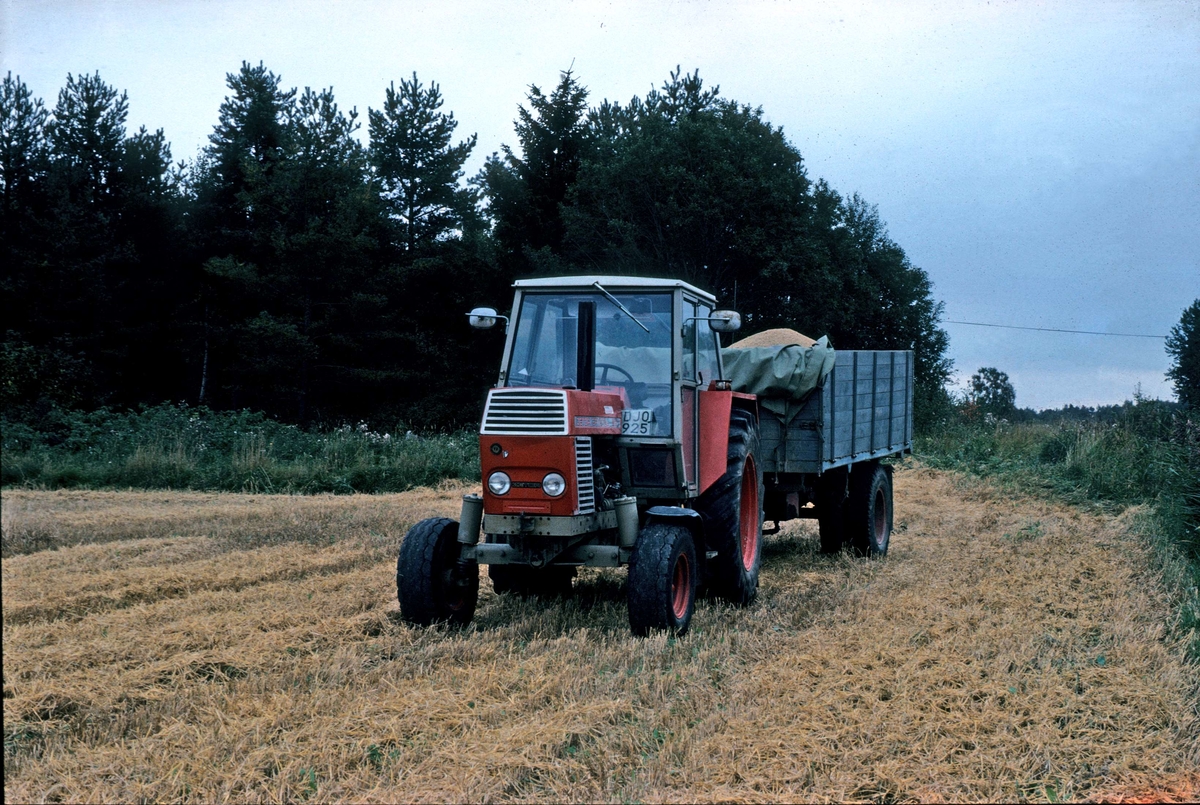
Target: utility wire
[1050,329]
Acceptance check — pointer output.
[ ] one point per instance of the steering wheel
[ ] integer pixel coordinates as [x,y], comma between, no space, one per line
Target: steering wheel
[603,381]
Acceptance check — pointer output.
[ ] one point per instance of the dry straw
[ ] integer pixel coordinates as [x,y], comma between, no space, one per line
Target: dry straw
[191,647]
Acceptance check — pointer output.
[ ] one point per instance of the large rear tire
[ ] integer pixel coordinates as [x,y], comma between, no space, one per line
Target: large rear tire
[430,584]
[733,514]
[662,580]
[869,510]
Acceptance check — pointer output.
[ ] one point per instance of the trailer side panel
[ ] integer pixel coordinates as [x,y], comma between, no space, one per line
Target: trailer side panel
[862,411]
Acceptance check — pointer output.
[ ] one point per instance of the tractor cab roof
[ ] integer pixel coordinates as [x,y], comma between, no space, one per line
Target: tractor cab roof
[610,283]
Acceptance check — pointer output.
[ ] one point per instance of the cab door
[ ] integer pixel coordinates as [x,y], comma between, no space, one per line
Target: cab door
[698,366]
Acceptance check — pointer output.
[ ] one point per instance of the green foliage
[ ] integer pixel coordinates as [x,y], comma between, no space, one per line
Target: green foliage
[176,447]
[291,270]
[992,393]
[526,191]
[289,276]
[91,218]
[685,184]
[23,148]
[1183,345]
[87,135]
[417,167]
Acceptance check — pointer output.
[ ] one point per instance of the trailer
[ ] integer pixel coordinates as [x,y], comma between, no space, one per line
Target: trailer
[820,455]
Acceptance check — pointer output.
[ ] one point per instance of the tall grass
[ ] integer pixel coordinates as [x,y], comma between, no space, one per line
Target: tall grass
[1148,455]
[178,447]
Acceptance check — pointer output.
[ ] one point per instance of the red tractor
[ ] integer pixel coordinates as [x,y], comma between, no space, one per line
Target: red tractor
[613,438]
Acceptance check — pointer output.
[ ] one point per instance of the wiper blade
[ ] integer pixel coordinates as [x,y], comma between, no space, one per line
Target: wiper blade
[617,302]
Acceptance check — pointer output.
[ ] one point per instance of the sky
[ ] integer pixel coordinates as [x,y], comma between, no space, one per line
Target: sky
[1040,160]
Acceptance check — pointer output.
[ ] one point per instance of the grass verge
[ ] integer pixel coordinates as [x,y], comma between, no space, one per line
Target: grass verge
[176,447]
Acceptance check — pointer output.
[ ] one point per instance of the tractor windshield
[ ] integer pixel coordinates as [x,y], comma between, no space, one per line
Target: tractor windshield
[632,353]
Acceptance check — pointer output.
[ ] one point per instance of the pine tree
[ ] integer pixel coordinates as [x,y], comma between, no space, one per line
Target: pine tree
[286,231]
[23,147]
[525,193]
[24,162]
[416,165]
[91,223]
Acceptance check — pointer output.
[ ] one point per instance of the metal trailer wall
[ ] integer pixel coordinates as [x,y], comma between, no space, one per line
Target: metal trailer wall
[862,411]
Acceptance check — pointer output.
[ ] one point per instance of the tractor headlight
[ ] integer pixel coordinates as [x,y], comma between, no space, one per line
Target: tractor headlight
[499,483]
[554,484]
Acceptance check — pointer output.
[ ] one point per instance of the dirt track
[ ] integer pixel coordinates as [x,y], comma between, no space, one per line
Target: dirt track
[211,647]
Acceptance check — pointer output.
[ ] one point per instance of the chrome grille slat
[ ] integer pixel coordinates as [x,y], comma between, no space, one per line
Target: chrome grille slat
[584,477]
[513,411]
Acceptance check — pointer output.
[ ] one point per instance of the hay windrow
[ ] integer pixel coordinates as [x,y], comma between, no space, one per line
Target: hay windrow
[169,646]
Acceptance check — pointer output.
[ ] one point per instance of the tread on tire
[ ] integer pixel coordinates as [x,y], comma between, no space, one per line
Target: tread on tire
[869,510]
[428,583]
[661,591]
[733,574]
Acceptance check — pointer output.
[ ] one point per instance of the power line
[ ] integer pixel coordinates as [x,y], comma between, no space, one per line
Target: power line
[1050,329]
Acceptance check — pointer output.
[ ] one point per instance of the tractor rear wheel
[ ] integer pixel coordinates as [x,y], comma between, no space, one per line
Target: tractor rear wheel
[431,583]
[662,580]
[869,510]
[733,513]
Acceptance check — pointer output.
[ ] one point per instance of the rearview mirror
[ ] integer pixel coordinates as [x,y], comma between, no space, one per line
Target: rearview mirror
[484,318]
[725,321]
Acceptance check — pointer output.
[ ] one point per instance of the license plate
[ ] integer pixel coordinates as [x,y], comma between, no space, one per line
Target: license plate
[637,422]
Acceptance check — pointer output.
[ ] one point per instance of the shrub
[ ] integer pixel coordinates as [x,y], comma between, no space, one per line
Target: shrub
[179,447]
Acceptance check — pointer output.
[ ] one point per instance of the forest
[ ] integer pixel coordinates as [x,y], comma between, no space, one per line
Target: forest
[315,267]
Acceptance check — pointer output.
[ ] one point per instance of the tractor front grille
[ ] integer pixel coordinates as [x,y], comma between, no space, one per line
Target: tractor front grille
[585,480]
[525,411]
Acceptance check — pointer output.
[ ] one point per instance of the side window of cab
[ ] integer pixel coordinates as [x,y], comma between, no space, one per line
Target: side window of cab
[706,346]
[690,312]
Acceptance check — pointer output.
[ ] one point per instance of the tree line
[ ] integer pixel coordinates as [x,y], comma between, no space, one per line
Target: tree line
[298,268]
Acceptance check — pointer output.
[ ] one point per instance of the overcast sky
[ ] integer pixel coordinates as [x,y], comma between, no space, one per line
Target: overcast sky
[1041,160]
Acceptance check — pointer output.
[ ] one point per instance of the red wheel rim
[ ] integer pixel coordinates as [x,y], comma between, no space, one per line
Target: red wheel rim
[681,587]
[748,514]
[880,517]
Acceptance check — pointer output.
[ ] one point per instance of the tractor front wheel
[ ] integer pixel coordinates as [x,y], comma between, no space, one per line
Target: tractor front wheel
[431,583]
[662,580]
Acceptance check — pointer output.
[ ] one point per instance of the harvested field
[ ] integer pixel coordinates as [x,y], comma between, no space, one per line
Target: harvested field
[211,647]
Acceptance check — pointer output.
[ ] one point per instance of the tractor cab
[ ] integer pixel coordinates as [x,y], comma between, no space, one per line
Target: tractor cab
[632,359]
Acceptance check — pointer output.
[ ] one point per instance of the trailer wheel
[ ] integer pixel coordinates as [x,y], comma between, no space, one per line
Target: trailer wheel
[662,580]
[429,582]
[869,515]
[733,511]
[831,510]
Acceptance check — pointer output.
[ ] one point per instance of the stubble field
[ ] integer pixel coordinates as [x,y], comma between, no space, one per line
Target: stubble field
[215,647]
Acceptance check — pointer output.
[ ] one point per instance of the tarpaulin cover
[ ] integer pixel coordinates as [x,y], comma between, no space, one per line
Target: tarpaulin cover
[782,376]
